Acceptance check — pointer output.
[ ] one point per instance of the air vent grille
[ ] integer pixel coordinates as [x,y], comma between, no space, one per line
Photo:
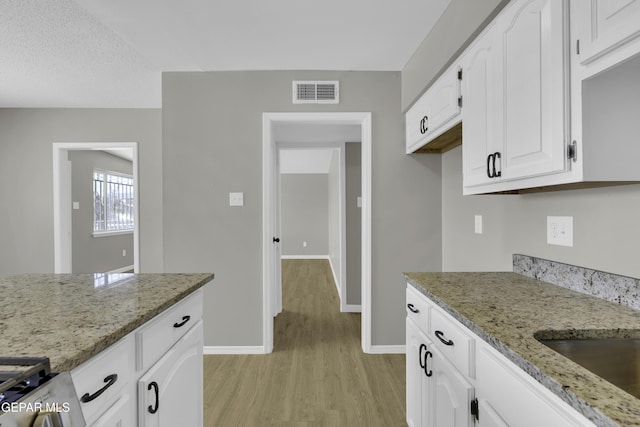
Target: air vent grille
[315,92]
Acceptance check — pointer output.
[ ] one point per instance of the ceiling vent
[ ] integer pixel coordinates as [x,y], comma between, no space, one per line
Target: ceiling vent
[316,92]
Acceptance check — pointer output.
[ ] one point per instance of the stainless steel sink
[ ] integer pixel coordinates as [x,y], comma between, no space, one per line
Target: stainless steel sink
[616,360]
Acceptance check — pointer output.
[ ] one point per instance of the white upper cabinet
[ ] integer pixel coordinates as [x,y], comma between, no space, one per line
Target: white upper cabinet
[515,91]
[437,111]
[612,27]
[481,131]
[534,36]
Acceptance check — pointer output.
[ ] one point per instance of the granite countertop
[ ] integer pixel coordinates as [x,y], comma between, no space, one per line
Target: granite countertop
[507,309]
[71,317]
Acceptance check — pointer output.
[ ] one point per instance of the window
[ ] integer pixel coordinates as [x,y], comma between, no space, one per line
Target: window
[113,209]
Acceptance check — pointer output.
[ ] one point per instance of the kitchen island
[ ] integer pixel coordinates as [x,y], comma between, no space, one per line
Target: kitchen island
[119,335]
[508,311]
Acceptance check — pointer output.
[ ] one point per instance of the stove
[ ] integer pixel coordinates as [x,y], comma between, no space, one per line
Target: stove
[33,396]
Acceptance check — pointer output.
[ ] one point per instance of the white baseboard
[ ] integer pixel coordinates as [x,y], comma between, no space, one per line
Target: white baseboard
[351,308]
[388,349]
[257,349]
[335,279]
[304,257]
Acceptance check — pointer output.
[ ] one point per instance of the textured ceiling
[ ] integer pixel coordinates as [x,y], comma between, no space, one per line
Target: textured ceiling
[111,53]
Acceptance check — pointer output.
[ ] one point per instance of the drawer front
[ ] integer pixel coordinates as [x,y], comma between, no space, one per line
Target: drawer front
[453,342]
[417,308]
[100,381]
[158,335]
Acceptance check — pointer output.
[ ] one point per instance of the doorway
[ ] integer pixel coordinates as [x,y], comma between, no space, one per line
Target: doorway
[62,200]
[271,214]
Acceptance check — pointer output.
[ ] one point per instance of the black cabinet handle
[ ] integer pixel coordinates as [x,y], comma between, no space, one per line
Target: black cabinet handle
[443,340]
[427,372]
[424,125]
[412,308]
[496,174]
[492,172]
[185,319]
[154,408]
[110,380]
[422,360]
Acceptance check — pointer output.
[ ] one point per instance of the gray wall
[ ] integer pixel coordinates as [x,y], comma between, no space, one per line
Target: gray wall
[304,214]
[95,254]
[26,171]
[353,178]
[605,227]
[212,145]
[455,29]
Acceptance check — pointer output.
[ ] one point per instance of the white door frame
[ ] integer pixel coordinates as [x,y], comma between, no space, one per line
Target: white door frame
[62,200]
[269,181]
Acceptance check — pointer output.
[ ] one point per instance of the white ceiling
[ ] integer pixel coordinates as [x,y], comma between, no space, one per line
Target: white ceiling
[111,53]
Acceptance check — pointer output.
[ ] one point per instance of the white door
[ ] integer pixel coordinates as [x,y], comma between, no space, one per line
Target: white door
[170,393]
[611,23]
[416,388]
[534,35]
[452,395]
[481,104]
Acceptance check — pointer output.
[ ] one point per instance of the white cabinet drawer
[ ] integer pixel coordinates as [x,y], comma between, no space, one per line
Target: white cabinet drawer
[158,335]
[417,308]
[101,380]
[453,342]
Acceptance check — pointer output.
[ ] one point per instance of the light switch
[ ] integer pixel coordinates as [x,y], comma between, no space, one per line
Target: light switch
[478,224]
[236,199]
[359,201]
[76,205]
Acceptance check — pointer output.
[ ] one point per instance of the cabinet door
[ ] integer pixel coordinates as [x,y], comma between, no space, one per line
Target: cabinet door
[490,417]
[437,111]
[170,393]
[119,415]
[415,374]
[534,37]
[611,24]
[481,130]
[452,395]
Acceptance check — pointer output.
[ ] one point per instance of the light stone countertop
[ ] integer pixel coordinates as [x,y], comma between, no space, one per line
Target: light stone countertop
[506,309]
[72,317]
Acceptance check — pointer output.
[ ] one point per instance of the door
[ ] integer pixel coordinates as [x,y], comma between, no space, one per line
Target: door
[170,393]
[481,103]
[452,395]
[534,37]
[416,375]
[611,23]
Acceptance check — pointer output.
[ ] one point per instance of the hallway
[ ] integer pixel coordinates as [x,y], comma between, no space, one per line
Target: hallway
[317,374]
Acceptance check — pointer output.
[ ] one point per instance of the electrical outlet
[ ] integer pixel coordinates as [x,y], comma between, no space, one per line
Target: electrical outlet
[124,252]
[560,230]
[304,244]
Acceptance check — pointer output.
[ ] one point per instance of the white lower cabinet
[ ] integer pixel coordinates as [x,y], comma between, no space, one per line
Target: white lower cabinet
[118,415]
[151,377]
[170,393]
[105,388]
[456,379]
[437,394]
[452,394]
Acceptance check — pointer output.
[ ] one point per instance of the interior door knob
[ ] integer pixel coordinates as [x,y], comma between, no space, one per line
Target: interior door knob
[276,240]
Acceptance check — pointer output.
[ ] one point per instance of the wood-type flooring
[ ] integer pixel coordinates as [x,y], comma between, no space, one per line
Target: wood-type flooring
[317,374]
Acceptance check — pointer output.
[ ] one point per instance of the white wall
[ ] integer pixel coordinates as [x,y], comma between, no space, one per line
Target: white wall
[304,214]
